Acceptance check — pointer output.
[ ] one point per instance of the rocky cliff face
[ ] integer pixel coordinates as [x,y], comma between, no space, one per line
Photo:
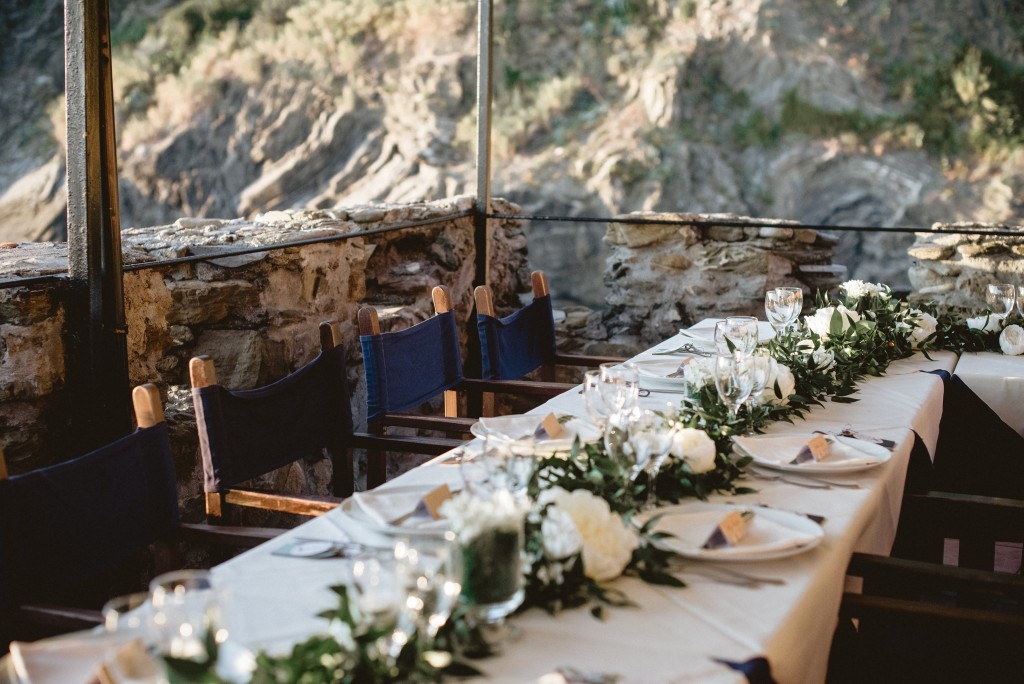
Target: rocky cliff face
[866,113]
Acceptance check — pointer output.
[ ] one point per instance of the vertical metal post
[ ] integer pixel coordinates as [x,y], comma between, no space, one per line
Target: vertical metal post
[98,366]
[484,69]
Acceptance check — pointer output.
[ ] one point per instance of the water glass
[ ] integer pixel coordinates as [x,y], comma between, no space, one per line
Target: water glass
[649,439]
[184,607]
[620,386]
[435,570]
[780,308]
[1001,296]
[733,381]
[128,613]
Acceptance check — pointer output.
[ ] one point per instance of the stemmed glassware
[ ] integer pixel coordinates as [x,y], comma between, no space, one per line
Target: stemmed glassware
[1020,301]
[649,439]
[782,306]
[184,608]
[1001,295]
[620,386]
[760,362]
[510,462]
[597,409]
[736,334]
[733,381]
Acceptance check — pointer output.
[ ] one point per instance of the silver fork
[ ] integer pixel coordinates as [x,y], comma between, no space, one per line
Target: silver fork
[816,483]
[688,348]
[720,573]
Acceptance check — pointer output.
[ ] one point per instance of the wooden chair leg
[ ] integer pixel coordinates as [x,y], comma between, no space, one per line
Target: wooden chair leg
[376,460]
[487,404]
[215,510]
[343,476]
[451,404]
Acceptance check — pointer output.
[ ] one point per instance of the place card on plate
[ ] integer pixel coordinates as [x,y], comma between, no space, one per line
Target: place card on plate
[433,499]
[550,428]
[730,530]
[817,449]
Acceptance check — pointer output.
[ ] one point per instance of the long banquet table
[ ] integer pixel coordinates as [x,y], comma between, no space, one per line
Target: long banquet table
[673,634]
[998,380]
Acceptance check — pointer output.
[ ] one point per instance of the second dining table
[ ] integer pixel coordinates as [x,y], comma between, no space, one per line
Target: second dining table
[671,634]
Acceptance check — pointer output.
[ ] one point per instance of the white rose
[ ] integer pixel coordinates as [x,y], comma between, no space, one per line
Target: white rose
[696,448]
[559,534]
[608,542]
[990,323]
[781,374]
[926,325]
[821,322]
[855,289]
[1011,341]
[823,359]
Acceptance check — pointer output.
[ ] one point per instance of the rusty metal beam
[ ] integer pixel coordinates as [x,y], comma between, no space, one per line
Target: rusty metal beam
[98,358]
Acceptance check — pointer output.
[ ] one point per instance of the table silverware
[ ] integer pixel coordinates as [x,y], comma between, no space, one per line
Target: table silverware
[810,484]
[688,348]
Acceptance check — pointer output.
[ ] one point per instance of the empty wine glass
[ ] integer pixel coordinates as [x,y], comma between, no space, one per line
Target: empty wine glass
[1020,301]
[620,386]
[733,381]
[1001,295]
[781,308]
[381,598]
[760,361]
[597,409]
[795,299]
[736,335]
[510,462]
[649,441]
[434,565]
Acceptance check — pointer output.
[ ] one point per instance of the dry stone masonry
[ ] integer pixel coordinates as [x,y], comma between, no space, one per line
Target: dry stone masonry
[955,268]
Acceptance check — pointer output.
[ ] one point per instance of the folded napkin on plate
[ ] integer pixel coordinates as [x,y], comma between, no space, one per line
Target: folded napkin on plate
[782,449]
[513,427]
[80,657]
[692,529]
[383,506]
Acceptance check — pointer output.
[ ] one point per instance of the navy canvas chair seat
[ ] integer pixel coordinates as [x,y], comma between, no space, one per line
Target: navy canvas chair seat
[64,526]
[524,341]
[407,368]
[246,434]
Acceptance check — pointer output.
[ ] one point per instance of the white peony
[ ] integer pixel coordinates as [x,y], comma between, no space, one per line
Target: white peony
[926,325]
[990,323]
[855,289]
[608,542]
[1011,341]
[696,448]
[559,534]
[781,374]
[821,322]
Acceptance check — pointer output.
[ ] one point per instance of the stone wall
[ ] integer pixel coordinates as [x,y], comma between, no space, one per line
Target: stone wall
[955,269]
[663,277]
[255,315]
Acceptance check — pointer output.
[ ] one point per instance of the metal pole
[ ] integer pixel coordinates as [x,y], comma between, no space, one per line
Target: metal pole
[484,69]
[98,365]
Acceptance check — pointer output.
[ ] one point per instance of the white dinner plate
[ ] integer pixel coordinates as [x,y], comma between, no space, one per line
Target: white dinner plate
[518,426]
[772,533]
[408,496]
[847,455]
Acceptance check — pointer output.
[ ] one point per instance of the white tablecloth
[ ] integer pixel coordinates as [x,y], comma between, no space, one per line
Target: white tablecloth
[998,380]
[674,634]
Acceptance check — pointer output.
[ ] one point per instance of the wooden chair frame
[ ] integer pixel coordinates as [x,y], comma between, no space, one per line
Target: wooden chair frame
[167,553]
[450,423]
[484,298]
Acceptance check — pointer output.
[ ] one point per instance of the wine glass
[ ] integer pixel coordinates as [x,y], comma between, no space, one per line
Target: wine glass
[434,565]
[597,409]
[794,297]
[781,308]
[1002,295]
[381,598]
[1020,300]
[510,462]
[733,381]
[760,361]
[620,386]
[184,608]
[649,441]
[736,335]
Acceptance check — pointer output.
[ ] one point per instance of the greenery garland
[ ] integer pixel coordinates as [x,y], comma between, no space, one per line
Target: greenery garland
[822,358]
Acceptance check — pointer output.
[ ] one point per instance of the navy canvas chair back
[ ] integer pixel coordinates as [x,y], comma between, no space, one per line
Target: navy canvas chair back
[520,343]
[66,524]
[406,368]
[247,433]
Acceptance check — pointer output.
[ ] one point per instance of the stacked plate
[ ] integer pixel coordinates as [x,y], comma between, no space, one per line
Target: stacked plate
[846,454]
[522,426]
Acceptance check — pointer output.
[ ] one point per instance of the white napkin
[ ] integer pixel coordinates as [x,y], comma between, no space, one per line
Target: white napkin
[382,506]
[782,449]
[692,529]
[513,427]
[704,336]
[520,426]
